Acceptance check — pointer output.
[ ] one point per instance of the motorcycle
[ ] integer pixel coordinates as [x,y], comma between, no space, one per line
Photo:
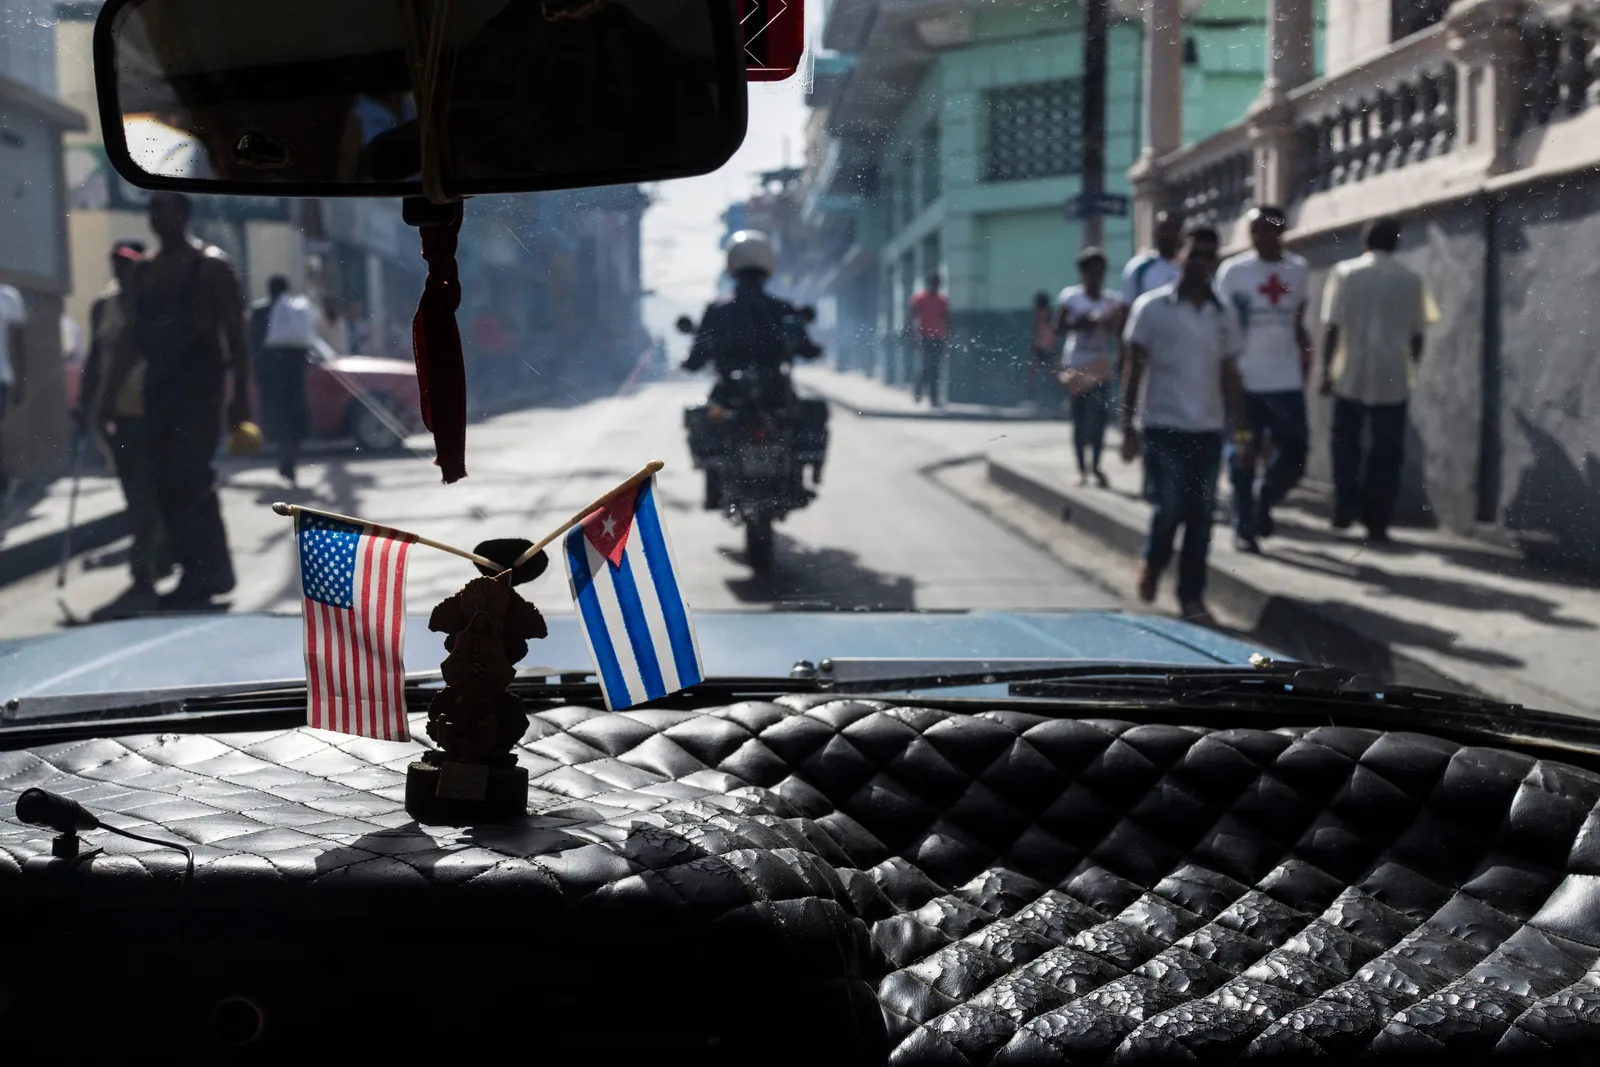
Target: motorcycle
[755,440]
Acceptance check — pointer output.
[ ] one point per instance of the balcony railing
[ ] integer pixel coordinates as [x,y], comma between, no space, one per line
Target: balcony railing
[1407,108]
[1212,182]
[1563,68]
[1377,118]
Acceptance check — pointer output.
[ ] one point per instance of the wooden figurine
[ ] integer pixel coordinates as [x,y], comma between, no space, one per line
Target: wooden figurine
[473,776]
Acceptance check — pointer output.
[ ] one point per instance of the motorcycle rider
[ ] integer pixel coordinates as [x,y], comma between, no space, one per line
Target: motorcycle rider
[751,331]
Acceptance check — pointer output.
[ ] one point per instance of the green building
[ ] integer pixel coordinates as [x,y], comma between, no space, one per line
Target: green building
[948,137]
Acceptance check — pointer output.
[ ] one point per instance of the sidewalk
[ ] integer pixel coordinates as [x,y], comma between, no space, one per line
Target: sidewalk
[872,398]
[33,523]
[1431,608]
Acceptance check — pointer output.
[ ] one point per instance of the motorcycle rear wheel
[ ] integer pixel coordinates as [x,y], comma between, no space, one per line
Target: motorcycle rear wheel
[758,543]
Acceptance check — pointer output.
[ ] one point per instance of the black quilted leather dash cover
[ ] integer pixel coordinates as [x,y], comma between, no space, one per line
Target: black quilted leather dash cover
[1009,888]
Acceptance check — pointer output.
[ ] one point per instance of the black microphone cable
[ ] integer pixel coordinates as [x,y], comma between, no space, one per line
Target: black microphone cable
[68,818]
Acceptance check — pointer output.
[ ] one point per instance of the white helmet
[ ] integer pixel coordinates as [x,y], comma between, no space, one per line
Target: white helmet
[750,250]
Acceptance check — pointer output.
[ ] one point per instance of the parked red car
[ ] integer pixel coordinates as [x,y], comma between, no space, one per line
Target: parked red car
[372,400]
[369,400]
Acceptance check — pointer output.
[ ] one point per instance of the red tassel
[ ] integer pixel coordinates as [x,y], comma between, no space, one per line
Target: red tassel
[436,346]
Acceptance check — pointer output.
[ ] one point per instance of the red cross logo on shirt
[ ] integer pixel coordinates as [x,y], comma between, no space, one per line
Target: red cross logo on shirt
[1273,289]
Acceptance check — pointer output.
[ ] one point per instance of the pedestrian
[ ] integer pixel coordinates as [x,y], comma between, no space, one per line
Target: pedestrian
[13,317]
[1180,386]
[1157,266]
[188,323]
[930,319]
[1266,287]
[1375,309]
[493,347]
[332,326]
[283,334]
[116,415]
[1087,316]
[1042,354]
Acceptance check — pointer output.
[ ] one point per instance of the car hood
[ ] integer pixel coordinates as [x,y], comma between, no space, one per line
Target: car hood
[202,650]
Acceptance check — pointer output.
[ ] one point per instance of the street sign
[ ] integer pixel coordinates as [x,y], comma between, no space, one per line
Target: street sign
[1093,205]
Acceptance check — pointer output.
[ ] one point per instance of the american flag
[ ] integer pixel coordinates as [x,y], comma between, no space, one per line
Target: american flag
[354,581]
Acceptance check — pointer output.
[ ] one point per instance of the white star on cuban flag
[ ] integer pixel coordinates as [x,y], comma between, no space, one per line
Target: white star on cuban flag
[630,606]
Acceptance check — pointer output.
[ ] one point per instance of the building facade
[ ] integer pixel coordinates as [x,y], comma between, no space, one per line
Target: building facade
[948,138]
[261,235]
[36,253]
[35,257]
[1477,123]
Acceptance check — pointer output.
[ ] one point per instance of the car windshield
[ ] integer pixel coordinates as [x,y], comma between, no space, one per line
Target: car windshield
[1173,330]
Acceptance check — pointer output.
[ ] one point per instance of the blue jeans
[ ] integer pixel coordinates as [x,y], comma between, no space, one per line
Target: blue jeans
[1182,471]
[1282,417]
[1089,412]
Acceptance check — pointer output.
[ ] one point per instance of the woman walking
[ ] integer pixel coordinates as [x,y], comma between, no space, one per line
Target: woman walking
[1085,315]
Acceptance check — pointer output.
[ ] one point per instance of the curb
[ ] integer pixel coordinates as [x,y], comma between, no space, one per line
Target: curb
[27,558]
[989,415]
[1282,622]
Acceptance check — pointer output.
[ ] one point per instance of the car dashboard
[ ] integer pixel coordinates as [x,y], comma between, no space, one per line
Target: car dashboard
[815,880]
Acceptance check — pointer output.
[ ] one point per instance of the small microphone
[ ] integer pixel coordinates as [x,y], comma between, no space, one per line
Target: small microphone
[68,818]
[39,807]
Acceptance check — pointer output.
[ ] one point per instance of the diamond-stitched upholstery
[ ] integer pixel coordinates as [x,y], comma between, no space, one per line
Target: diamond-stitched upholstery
[1015,888]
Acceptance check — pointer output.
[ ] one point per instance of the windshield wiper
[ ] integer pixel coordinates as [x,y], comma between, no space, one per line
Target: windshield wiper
[1062,678]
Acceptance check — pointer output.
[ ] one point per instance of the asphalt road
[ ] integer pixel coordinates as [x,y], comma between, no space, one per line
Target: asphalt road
[888,532]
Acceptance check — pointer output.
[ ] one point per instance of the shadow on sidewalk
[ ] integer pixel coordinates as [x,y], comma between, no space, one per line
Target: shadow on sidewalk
[1360,639]
[1554,506]
[821,579]
[1400,583]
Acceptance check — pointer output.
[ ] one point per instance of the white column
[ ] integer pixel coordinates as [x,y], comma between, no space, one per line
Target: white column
[1290,62]
[1163,77]
[1163,112]
[1491,56]
[377,304]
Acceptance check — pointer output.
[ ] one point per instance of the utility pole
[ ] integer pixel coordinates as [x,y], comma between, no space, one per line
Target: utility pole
[1094,115]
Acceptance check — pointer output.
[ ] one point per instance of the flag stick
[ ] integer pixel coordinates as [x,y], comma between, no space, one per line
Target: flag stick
[483,561]
[611,494]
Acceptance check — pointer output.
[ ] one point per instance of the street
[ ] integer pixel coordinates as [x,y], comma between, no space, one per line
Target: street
[884,534]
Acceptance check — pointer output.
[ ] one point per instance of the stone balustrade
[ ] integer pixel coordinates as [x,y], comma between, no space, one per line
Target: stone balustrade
[1472,101]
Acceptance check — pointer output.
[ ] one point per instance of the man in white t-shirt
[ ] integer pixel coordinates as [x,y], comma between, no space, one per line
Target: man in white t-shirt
[1180,388]
[1150,270]
[1266,288]
[1086,315]
[13,314]
[285,330]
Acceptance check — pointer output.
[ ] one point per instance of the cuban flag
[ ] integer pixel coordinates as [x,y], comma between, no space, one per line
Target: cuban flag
[630,607]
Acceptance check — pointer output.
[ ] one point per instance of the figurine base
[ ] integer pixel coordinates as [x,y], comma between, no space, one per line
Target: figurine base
[442,792]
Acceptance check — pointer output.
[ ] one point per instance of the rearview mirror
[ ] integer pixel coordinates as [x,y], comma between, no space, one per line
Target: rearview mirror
[311,98]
